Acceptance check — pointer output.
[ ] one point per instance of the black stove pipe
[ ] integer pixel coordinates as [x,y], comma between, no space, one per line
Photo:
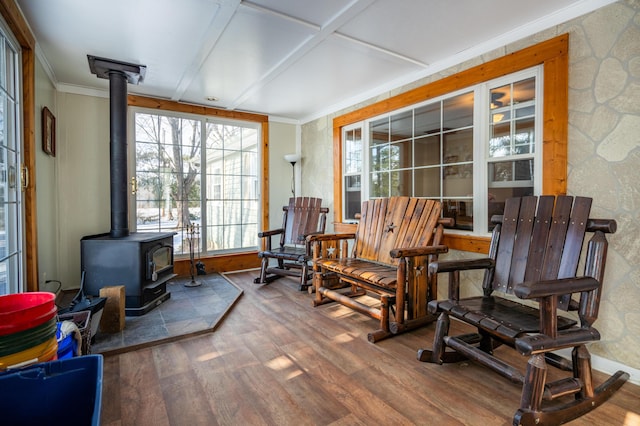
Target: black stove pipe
[118,154]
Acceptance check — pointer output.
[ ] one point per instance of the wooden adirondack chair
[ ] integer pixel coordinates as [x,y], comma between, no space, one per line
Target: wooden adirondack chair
[302,217]
[534,254]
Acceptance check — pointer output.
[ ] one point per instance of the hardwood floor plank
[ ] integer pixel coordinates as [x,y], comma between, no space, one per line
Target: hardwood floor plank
[276,360]
[185,406]
[141,399]
[291,371]
[111,380]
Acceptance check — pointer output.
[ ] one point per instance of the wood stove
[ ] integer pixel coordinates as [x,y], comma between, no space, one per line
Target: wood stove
[142,262]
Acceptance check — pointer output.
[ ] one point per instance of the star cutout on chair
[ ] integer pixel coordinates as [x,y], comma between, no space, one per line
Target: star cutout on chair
[331,251]
[391,227]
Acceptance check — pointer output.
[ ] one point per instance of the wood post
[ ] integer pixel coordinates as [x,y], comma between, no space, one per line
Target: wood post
[113,316]
[533,389]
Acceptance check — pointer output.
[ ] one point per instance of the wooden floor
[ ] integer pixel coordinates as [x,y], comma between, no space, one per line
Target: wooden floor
[275,360]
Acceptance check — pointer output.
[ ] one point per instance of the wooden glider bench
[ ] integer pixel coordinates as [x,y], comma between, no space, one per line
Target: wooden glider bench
[534,255]
[303,216]
[395,240]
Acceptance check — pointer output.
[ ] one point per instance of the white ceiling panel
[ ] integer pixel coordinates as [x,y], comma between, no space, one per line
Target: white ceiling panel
[436,28]
[330,73]
[289,59]
[252,44]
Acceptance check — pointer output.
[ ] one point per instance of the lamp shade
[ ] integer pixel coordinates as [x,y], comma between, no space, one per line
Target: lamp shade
[292,158]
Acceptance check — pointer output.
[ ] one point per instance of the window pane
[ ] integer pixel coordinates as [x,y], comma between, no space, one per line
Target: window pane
[498,195]
[401,156]
[461,211]
[427,182]
[402,126]
[379,157]
[510,171]
[379,185]
[352,198]
[379,132]
[524,136]
[457,111]
[458,181]
[401,183]
[249,138]
[500,142]
[524,90]
[501,97]
[427,151]
[215,238]
[523,170]
[458,146]
[353,151]
[427,119]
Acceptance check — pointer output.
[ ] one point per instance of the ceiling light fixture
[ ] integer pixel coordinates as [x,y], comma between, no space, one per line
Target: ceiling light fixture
[211,98]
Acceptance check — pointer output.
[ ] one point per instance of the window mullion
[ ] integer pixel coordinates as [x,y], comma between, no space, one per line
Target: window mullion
[203,185]
[481,117]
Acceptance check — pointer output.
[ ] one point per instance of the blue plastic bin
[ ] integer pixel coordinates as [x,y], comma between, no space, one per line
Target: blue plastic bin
[67,347]
[63,392]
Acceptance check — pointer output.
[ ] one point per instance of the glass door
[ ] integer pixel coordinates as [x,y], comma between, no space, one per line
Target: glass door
[11,263]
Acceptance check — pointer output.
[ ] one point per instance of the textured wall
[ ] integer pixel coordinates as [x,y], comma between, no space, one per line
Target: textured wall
[604,158]
[604,153]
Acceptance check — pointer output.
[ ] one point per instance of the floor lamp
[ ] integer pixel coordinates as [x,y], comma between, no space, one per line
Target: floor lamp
[293,159]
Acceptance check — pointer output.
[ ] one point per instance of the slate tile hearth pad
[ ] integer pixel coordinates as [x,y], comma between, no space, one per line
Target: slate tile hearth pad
[189,311]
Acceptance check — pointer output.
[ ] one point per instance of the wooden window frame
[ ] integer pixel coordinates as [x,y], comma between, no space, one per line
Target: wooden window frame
[553,54]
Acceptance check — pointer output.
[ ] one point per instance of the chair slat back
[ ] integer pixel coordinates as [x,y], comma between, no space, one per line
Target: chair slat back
[303,216]
[540,238]
[395,222]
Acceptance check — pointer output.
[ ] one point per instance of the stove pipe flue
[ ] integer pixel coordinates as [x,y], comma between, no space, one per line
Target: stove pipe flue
[119,74]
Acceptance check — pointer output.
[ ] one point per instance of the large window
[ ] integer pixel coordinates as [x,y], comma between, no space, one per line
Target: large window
[470,150]
[11,262]
[551,103]
[197,177]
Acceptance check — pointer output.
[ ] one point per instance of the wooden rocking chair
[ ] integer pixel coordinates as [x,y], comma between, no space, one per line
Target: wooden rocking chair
[534,255]
[303,216]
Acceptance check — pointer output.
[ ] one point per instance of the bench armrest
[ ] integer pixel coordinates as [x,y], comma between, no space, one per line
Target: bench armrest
[461,265]
[538,289]
[418,251]
[270,233]
[330,237]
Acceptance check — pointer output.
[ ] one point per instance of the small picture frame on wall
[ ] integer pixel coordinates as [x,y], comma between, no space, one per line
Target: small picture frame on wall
[48,132]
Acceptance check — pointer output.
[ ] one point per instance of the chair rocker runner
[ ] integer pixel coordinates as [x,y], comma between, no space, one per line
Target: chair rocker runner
[534,254]
[302,217]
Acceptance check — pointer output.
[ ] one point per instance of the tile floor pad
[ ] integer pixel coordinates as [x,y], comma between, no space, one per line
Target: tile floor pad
[189,311]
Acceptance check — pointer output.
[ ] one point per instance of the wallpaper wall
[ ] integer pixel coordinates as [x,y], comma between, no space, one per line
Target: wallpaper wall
[604,153]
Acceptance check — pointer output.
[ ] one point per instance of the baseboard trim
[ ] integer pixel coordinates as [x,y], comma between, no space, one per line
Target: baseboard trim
[607,366]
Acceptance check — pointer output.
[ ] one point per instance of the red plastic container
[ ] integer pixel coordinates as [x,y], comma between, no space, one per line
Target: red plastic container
[22,311]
